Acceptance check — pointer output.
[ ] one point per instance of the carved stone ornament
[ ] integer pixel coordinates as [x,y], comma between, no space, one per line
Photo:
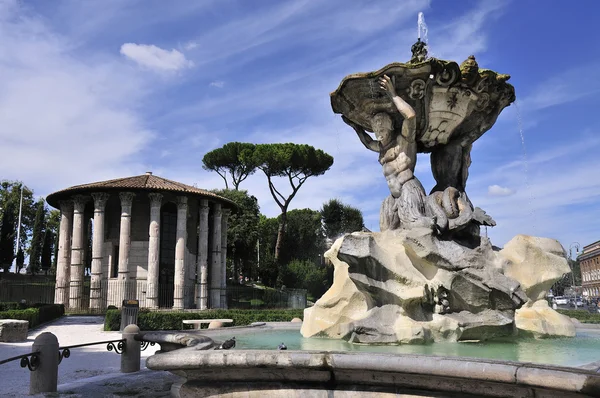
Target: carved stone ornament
[100,199]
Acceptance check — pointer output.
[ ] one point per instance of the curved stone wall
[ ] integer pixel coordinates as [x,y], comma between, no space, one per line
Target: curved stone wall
[238,373]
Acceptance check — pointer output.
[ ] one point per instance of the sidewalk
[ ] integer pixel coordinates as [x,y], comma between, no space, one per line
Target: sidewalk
[90,371]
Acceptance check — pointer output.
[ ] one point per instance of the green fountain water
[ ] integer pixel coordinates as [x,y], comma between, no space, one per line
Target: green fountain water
[583,349]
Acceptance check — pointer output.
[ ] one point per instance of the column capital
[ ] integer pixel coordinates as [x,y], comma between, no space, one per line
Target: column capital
[226,212]
[100,199]
[182,202]
[126,198]
[66,206]
[79,202]
[155,199]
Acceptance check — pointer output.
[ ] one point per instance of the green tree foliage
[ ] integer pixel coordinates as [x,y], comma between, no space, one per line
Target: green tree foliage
[295,163]
[10,196]
[235,158]
[303,239]
[242,232]
[37,238]
[267,266]
[305,274]
[8,233]
[20,260]
[558,289]
[53,225]
[339,219]
[47,249]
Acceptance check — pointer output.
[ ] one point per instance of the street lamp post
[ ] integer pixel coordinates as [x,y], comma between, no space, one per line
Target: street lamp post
[577,247]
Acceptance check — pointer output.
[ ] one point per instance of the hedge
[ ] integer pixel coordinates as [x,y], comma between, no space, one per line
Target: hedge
[583,316]
[173,320]
[12,306]
[40,313]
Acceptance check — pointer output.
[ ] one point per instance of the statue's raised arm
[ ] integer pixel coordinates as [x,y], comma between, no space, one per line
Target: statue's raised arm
[364,137]
[403,107]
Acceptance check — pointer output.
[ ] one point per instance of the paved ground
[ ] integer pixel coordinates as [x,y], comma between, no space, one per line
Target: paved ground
[96,369]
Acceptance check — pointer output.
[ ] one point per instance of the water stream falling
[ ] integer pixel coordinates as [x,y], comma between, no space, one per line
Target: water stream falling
[422,28]
[525,162]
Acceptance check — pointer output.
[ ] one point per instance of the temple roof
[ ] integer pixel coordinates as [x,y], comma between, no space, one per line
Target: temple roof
[144,182]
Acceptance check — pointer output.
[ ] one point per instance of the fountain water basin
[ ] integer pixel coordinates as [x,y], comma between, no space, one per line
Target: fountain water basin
[326,367]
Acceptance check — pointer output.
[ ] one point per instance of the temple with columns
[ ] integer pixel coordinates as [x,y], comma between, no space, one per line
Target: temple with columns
[159,241]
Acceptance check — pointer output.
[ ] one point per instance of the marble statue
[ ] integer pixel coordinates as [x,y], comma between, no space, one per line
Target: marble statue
[429,275]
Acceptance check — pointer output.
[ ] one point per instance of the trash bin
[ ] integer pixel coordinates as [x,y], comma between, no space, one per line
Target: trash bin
[129,313]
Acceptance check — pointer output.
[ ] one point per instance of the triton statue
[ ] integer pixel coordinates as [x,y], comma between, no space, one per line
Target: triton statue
[429,275]
[426,105]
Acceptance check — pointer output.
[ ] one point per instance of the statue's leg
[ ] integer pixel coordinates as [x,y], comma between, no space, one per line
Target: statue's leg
[388,216]
[450,166]
[411,206]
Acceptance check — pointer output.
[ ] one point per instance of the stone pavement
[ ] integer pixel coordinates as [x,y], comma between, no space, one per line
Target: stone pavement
[90,371]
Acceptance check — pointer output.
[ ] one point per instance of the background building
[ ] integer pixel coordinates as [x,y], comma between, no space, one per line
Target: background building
[589,261]
[156,240]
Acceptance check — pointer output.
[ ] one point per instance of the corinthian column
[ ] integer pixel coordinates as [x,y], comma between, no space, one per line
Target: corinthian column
[153,249]
[202,266]
[224,220]
[63,272]
[97,243]
[125,243]
[216,261]
[182,208]
[76,283]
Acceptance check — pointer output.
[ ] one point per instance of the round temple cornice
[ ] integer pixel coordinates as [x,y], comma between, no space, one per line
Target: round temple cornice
[145,183]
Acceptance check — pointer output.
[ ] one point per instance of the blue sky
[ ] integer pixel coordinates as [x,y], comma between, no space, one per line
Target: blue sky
[92,90]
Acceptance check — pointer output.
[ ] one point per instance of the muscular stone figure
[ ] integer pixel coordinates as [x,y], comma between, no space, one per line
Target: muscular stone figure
[398,156]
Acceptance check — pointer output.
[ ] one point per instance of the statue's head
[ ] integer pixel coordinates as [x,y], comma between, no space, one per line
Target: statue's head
[382,126]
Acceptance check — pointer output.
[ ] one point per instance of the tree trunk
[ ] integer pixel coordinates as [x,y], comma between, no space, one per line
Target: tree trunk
[280,233]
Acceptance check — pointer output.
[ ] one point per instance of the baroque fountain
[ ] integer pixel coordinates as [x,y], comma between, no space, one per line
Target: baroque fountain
[429,275]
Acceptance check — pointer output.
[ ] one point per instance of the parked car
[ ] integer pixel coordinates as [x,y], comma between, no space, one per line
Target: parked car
[576,303]
[560,300]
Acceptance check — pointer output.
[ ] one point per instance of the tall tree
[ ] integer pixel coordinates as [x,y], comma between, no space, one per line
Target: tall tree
[47,249]
[10,191]
[235,158]
[339,219]
[53,225]
[295,163]
[304,238]
[20,261]
[37,238]
[7,235]
[267,267]
[242,231]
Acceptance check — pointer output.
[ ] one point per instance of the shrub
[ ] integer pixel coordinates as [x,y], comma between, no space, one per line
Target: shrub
[38,313]
[583,316]
[49,312]
[30,314]
[173,320]
[305,274]
[10,306]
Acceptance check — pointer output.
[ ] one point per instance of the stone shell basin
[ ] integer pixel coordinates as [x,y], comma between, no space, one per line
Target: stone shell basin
[450,106]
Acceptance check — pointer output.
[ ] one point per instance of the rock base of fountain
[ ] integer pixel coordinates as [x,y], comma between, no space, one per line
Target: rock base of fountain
[412,287]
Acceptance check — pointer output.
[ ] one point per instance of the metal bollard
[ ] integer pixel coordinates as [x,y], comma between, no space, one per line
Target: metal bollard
[45,377]
[130,358]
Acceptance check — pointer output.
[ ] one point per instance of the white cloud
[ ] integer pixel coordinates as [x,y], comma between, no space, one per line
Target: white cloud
[190,45]
[64,120]
[497,190]
[217,83]
[156,58]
